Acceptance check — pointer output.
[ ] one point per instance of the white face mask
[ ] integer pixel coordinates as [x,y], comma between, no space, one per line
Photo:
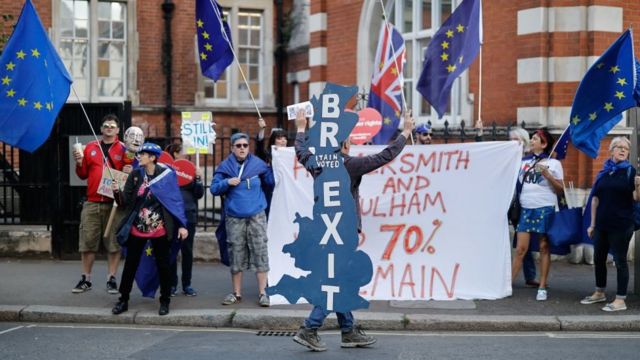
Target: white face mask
[133,139]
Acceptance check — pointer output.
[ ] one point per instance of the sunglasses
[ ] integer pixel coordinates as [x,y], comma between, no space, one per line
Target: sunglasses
[240,146]
[109,126]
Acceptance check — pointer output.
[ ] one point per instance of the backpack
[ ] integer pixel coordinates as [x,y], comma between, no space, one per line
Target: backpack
[636,207]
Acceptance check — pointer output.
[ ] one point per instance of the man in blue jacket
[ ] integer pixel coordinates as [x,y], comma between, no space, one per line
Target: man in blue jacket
[243,179]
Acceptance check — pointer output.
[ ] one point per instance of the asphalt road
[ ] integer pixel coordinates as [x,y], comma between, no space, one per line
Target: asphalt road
[65,341]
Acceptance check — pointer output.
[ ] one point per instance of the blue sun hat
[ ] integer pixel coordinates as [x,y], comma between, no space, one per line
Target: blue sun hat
[150,148]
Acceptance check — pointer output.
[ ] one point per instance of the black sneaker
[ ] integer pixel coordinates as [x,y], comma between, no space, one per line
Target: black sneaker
[356,338]
[112,286]
[83,285]
[164,309]
[309,338]
[120,307]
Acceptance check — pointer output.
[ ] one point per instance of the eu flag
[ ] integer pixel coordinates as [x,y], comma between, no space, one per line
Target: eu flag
[387,82]
[604,93]
[214,45]
[562,145]
[35,84]
[451,51]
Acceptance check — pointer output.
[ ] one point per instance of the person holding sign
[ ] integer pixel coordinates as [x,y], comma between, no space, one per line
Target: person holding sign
[357,167]
[190,192]
[94,217]
[154,207]
[541,179]
[243,179]
[278,138]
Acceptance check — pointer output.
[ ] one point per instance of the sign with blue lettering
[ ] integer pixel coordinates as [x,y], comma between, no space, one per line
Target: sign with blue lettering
[197,132]
[326,245]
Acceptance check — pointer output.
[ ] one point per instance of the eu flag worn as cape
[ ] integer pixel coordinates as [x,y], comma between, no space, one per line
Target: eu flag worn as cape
[607,89]
[450,52]
[387,82]
[35,84]
[214,46]
[165,188]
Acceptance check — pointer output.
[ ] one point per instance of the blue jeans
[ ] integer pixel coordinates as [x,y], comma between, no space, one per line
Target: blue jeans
[528,266]
[317,316]
[186,249]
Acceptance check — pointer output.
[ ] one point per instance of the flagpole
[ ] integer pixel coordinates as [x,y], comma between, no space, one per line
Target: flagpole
[556,144]
[226,38]
[395,62]
[480,88]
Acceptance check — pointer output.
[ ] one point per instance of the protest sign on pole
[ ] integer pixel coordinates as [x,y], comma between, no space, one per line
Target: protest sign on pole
[198,134]
[434,220]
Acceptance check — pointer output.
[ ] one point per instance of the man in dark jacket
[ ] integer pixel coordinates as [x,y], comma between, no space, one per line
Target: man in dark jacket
[352,336]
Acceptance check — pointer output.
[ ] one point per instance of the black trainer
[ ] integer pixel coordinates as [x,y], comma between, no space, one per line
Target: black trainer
[83,285]
[356,338]
[120,307]
[309,338]
[164,309]
[112,286]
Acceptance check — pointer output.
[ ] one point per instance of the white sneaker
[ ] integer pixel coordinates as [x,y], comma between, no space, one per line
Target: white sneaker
[542,295]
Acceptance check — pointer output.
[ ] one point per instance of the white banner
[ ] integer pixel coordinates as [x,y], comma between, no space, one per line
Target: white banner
[434,220]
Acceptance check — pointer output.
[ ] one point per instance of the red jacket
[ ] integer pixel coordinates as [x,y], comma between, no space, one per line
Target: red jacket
[92,165]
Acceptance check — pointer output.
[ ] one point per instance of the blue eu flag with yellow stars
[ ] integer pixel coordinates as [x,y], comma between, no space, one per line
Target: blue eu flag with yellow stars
[606,91]
[451,52]
[214,45]
[34,84]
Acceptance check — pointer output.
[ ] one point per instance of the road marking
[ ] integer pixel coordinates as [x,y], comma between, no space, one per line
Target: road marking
[100,327]
[10,330]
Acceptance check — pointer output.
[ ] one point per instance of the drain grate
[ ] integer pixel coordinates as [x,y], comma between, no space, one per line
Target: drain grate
[275,333]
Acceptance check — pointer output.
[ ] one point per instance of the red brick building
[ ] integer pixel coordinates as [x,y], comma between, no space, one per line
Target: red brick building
[535,52]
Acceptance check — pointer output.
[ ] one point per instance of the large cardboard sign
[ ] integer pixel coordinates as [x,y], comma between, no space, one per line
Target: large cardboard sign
[434,220]
[197,132]
[104,188]
[327,241]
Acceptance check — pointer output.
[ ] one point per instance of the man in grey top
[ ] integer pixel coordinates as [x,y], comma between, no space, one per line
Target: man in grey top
[352,336]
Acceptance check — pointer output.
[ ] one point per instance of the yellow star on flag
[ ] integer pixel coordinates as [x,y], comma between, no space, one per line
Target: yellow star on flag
[20,54]
[593,116]
[10,66]
[600,66]
[208,47]
[614,69]
[6,80]
[576,120]
[200,23]
[619,95]
[387,121]
[205,35]
[148,251]
[608,106]
[444,56]
[449,33]
[460,28]
[203,56]
[394,71]
[445,45]
[381,65]
[451,68]
[22,102]
[622,81]
[11,92]
[37,105]
[398,113]
[49,106]
[35,53]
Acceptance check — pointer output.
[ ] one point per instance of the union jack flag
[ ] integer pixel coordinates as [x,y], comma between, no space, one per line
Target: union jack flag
[387,82]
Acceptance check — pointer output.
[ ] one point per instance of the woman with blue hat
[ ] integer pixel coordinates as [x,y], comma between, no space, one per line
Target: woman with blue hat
[154,206]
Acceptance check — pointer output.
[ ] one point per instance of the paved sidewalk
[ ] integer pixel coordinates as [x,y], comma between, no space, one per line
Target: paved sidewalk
[40,290]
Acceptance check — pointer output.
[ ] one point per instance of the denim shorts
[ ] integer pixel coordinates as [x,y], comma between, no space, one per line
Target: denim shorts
[535,220]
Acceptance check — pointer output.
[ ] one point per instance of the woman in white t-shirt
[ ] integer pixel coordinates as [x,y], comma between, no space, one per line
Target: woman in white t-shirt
[541,179]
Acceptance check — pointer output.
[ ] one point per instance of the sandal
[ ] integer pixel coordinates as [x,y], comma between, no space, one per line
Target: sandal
[614,307]
[592,299]
[231,299]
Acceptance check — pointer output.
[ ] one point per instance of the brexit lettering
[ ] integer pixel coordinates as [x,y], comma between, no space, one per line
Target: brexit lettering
[326,245]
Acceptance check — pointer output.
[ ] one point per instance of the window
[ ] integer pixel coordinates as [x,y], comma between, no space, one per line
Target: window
[92,42]
[251,31]
[418,21]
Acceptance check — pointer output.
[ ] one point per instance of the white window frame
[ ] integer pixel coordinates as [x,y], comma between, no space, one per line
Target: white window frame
[461,99]
[129,56]
[266,96]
